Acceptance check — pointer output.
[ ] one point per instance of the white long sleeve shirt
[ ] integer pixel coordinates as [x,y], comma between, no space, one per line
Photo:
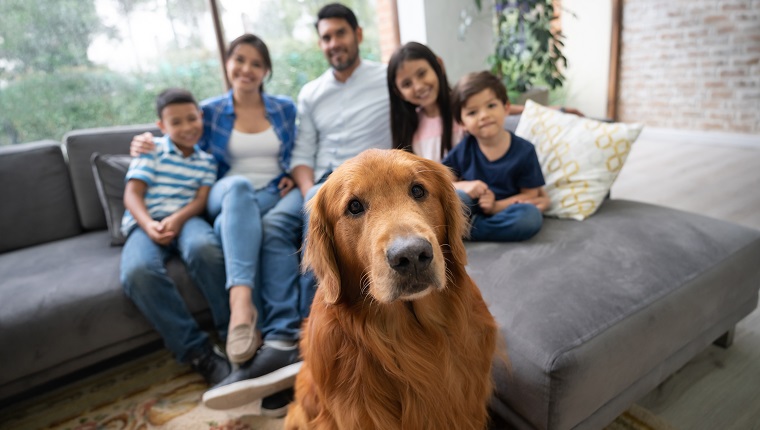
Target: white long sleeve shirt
[338,120]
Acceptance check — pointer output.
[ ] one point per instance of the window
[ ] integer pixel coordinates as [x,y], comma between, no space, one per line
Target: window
[71,64]
[287,28]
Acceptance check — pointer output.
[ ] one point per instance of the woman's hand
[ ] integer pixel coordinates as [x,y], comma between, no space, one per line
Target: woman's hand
[286,184]
[142,144]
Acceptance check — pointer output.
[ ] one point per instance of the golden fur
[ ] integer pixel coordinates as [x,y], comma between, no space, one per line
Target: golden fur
[387,349]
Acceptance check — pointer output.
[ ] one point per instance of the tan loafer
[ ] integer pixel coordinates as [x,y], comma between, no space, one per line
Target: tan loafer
[242,342]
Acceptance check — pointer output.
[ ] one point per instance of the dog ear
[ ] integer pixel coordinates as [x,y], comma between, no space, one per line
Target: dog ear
[456,221]
[320,247]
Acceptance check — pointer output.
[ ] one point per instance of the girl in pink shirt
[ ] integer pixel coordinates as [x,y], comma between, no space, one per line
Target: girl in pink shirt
[421,118]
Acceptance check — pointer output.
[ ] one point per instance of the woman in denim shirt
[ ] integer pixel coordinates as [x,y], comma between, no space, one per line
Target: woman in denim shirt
[251,135]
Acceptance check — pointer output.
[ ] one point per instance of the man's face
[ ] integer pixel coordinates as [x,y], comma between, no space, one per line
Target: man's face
[339,42]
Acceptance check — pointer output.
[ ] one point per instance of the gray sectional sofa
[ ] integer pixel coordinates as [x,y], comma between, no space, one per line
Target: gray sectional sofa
[595,313]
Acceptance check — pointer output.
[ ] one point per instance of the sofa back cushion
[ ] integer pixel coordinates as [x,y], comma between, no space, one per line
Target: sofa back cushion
[80,145]
[37,198]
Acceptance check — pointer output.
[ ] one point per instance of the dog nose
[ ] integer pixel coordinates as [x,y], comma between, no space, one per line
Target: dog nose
[408,255]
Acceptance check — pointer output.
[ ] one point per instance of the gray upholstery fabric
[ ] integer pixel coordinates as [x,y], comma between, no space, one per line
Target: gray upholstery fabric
[109,171]
[510,122]
[36,195]
[63,300]
[80,145]
[587,308]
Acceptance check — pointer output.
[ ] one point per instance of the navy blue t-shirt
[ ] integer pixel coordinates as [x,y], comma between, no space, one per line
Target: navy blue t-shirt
[517,169]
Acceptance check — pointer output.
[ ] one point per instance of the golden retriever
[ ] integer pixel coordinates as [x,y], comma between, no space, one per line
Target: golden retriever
[399,336]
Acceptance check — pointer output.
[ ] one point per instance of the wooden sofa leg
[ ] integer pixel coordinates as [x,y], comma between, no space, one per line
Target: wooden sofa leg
[726,340]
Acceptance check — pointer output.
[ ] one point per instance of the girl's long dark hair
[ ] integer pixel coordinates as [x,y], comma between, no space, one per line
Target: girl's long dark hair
[404,120]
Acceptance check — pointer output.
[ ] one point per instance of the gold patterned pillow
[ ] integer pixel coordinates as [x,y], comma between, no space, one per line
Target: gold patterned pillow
[580,157]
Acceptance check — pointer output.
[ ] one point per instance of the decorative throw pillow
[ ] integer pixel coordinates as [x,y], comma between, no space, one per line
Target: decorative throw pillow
[580,157]
[109,171]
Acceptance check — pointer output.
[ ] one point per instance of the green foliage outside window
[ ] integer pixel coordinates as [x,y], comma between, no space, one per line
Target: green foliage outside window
[49,86]
[528,50]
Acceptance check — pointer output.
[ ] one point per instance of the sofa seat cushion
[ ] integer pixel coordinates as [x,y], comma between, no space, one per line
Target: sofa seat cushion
[587,308]
[63,300]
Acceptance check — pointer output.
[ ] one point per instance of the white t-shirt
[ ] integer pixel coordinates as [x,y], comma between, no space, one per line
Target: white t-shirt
[254,156]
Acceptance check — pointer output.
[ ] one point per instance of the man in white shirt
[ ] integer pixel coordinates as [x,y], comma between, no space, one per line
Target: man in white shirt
[344,111]
[340,114]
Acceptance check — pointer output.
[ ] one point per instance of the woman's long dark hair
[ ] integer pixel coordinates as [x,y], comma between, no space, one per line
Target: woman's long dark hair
[404,120]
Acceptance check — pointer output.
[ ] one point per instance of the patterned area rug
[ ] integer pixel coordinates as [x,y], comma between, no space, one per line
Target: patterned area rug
[154,392]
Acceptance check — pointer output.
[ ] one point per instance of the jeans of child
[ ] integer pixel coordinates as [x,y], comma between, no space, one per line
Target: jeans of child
[260,234]
[517,222]
[145,280]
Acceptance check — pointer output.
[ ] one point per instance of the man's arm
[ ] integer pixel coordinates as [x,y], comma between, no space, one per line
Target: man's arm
[304,177]
[303,159]
[518,109]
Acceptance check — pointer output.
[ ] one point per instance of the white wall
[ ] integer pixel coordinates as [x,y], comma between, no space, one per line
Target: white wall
[587,48]
[587,43]
[436,24]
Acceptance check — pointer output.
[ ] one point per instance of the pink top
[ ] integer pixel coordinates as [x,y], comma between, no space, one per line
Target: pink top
[426,141]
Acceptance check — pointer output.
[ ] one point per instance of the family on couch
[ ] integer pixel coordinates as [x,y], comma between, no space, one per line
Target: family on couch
[266,169]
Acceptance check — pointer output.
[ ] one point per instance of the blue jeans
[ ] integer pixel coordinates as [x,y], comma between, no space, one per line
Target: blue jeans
[517,222]
[145,280]
[260,234]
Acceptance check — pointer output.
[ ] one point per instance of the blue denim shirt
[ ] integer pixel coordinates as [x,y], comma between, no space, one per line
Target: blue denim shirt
[219,119]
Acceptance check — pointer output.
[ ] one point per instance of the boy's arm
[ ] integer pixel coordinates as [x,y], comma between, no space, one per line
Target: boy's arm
[525,196]
[542,202]
[474,189]
[175,221]
[134,201]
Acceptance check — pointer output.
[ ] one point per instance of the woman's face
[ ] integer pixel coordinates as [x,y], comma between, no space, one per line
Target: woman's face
[418,84]
[246,68]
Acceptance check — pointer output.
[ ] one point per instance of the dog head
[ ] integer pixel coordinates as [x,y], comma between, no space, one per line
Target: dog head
[387,224]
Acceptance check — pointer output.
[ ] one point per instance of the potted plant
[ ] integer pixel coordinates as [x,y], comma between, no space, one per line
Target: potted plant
[528,51]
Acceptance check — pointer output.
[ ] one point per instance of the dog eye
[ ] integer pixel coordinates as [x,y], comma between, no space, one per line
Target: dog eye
[418,191]
[355,207]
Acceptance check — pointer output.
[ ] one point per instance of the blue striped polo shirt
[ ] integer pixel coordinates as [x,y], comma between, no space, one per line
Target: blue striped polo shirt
[173,179]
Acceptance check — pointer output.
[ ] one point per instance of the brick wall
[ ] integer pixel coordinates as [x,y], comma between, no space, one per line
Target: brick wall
[387,21]
[691,64]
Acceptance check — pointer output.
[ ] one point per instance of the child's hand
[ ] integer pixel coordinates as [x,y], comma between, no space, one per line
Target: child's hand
[475,189]
[487,202]
[541,202]
[158,233]
[286,184]
[172,224]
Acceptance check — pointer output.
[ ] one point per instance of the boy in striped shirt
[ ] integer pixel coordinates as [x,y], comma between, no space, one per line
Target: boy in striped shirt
[165,198]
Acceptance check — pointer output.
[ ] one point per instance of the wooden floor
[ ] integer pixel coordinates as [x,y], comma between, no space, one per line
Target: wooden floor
[720,388]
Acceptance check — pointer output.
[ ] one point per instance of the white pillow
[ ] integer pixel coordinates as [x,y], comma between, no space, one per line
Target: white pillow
[580,157]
